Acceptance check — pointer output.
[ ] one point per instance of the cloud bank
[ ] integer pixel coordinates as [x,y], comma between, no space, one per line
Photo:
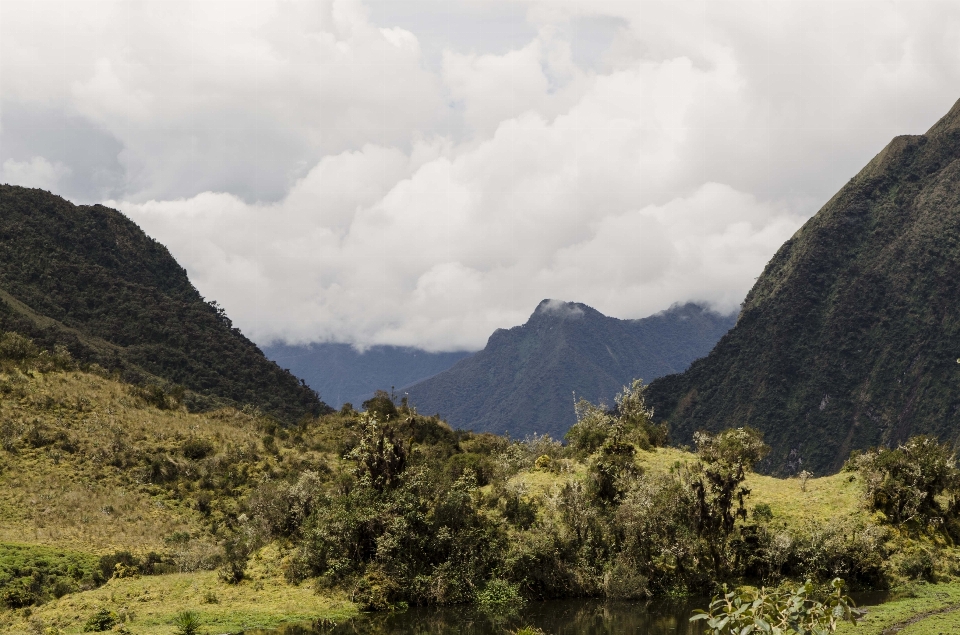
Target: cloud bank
[359,173]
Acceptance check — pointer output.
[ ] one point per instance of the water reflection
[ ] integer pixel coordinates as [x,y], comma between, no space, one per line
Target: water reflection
[560,617]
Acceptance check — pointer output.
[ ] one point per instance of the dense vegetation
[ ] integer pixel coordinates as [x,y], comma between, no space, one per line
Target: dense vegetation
[87,278]
[385,507]
[523,381]
[849,337]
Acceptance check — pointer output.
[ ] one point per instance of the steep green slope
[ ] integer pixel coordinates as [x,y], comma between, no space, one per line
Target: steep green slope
[850,337]
[523,381]
[88,278]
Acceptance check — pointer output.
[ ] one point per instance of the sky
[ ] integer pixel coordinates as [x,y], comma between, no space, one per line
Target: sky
[422,172]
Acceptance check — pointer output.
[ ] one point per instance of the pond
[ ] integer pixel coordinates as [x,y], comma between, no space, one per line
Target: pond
[558,617]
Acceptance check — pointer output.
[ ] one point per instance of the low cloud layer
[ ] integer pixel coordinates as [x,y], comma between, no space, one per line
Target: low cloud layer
[359,173]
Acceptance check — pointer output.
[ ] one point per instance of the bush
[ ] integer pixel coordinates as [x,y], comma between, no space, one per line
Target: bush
[762,513]
[594,424]
[608,470]
[499,596]
[33,574]
[624,581]
[381,406]
[187,623]
[196,448]
[380,453]
[630,420]
[102,620]
[17,348]
[909,482]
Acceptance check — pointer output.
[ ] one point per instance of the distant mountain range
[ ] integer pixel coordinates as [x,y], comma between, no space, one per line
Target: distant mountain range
[850,338]
[524,380]
[342,374]
[88,278]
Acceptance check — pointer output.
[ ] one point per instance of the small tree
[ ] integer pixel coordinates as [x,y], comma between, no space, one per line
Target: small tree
[380,455]
[630,420]
[636,419]
[717,485]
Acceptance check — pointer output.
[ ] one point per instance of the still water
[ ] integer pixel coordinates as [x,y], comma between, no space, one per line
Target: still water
[559,617]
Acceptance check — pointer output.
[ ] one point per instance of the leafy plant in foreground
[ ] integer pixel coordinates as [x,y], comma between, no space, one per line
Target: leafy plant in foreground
[778,611]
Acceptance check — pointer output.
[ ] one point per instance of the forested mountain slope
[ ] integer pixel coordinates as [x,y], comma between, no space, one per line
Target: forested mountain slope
[523,381]
[850,338]
[88,278]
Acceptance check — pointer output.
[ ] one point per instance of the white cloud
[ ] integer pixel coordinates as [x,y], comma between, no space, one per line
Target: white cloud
[322,180]
[37,172]
[223,96]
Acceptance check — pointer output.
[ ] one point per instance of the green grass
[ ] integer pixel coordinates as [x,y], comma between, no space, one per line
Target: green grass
[151,603]
[73,488]
[923,601]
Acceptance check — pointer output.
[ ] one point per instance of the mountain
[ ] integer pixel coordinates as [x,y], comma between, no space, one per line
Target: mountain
[342,374]
[88,278]
[523,381]
[850,338]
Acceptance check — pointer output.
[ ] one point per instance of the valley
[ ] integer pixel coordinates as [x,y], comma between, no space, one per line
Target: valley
[158,474]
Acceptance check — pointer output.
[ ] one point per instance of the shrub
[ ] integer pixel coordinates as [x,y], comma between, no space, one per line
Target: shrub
[519,512]
[187,623]
[594,424]
[196,448]
[16,347]
[380,455]
[381,406]
[233,567]
[909,482]
[630,420]
[499,596]
[102,620]
[608,469]
[481,466]
[34,574]
[762,513]
[624,581]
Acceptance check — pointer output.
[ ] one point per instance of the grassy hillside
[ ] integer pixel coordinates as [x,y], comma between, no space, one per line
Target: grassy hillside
[524,380]
[849,338]
[88,278]
[93,474]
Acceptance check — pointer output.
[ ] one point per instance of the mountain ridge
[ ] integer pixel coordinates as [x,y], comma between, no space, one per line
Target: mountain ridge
[88,278]
[849,336]
[524,379]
